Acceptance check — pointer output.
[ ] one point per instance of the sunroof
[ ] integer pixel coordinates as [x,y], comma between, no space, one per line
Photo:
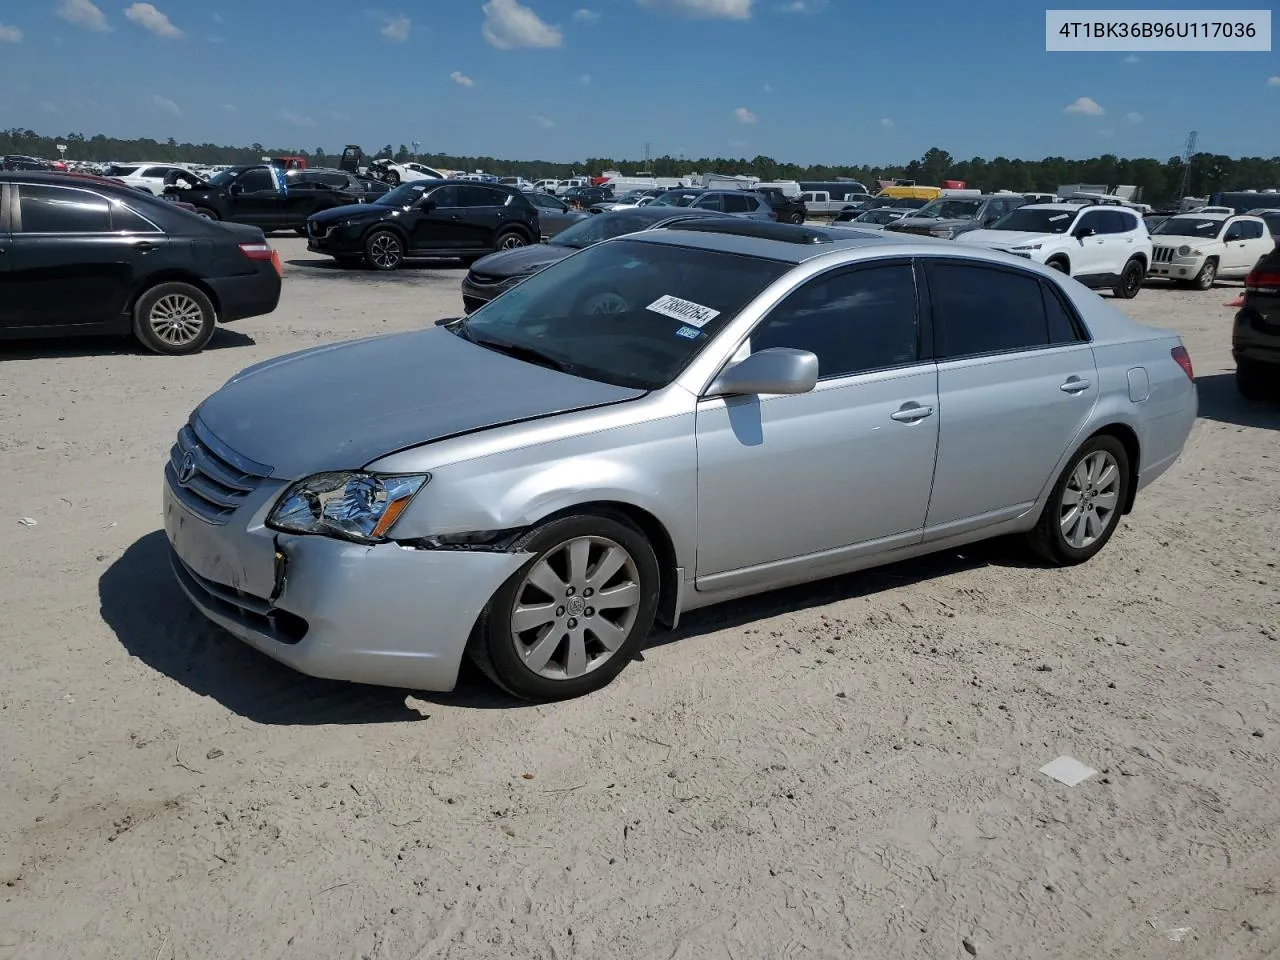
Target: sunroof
[760,229]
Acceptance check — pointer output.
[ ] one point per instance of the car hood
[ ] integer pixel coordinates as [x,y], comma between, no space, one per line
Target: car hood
[344,405]
[353,211]
[1174,240]
[1005,238]
[929,223]
[521,261]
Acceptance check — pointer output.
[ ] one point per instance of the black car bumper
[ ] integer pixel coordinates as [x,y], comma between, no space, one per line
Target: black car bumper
[342,241]
[1256,338]
[477,290]
[247,295]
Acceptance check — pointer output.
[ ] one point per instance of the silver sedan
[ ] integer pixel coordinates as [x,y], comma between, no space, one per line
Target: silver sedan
[660,422]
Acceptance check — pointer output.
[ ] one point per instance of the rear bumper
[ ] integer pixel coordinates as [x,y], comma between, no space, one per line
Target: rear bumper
[249,295]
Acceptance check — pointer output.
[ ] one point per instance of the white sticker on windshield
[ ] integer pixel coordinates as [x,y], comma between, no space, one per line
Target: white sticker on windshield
[1061,216]
[686,311]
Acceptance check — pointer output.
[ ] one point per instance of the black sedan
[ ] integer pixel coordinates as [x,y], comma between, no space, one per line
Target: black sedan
[426,219]
[501,271]
[1255,339]
[86,256]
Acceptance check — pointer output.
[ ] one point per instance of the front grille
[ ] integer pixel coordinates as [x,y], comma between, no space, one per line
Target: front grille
[1162,255]
[486,279]
[316,230]
[209,477]
[253,612]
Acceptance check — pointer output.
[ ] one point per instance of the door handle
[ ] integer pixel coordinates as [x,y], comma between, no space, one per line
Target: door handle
[144,245]
[1074,385]
[911,413]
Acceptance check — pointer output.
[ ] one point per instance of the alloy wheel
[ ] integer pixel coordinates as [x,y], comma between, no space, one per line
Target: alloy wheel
[1132,280]
[1090,499]
[511,241]
[176,319]
[384,251]
[576,607]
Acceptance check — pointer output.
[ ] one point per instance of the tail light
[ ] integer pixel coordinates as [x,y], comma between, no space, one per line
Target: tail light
[256,251]
[1262,280]
[1183,359]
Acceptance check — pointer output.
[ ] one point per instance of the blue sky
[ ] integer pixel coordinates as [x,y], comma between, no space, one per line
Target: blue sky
[800,80]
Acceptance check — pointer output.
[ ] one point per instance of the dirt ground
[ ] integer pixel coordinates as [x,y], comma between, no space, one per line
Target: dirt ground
[846,770]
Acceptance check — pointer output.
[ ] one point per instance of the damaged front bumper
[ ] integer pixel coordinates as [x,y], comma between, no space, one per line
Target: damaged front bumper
[386,614]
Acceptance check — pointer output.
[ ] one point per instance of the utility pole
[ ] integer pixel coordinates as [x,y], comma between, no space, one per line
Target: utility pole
[1187,154]
[646,156]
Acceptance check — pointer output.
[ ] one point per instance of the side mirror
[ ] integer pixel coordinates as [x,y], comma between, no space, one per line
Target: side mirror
[776,370]
[237,189]
[1083,233]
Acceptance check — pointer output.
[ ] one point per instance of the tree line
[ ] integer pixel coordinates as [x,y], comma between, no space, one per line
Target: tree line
[1159,180]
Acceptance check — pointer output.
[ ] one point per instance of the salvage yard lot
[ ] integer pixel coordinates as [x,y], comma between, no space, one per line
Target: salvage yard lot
[842,770]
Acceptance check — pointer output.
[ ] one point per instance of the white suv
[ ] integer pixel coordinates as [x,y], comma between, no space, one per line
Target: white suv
[1101,246]
[1200,247]
[149,175]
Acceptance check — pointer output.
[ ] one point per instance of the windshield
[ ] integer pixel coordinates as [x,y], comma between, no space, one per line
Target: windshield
[676,198]
[881,215]
[404,195]
[1029,220]
[625,312]
[951,209]
[222,179]
[1189,227]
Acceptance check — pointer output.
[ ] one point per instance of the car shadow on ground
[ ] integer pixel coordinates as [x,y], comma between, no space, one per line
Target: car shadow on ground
[154,621]
[1000,552]
[1221,401]
[105,346]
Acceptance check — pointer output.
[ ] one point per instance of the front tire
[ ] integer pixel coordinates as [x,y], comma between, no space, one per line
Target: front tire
[1131,278]
[573,617]
[174,319]
[384,250]
[1085,505]
[393,178]
[797,219]
[1208,274]
[206,213]
[1058,264]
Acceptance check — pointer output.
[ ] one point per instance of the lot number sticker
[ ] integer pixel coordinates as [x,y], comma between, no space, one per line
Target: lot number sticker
[686,311]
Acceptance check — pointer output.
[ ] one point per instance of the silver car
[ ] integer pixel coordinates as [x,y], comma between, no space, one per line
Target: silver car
[656,423]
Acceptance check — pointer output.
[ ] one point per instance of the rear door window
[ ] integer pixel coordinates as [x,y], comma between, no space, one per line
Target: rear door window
[255,181]
[125,220]
[733,203]
[982,310]
[49,209]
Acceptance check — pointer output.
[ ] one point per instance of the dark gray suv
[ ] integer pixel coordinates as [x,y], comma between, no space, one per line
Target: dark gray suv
[948,217]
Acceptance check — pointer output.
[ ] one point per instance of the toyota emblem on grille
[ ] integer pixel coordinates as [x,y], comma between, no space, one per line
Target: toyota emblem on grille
[187,470]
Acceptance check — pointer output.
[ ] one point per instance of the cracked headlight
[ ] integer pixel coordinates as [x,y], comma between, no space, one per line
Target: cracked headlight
[350,505]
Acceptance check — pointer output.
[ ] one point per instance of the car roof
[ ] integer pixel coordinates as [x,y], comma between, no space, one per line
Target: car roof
[67,179]
[758,246]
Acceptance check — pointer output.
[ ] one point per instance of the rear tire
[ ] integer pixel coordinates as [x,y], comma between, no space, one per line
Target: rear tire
[510,240]
[1085,505]
[1130,281]
[174,319]
[1251,382]
[393,178]
[559,654]
[797,218]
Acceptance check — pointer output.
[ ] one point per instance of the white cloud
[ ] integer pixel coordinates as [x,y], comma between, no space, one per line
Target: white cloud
[397,29]
[744,115]
[297,119]
[804,6]
[886,122]
[1273,81]
[461,79]
[1086,106]
[542,121]
[165,104]
[1133,116]
[585,80]
[583,15]
[703,9]
[149,18]
[83,14]
[1131,58]
[768,88]
[229,108]
[508,24]
[10,34]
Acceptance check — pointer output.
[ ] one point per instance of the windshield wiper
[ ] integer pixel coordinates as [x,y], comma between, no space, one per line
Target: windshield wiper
[521,352]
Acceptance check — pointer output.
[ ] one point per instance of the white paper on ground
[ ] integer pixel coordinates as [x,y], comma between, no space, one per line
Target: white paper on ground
[1067,770]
